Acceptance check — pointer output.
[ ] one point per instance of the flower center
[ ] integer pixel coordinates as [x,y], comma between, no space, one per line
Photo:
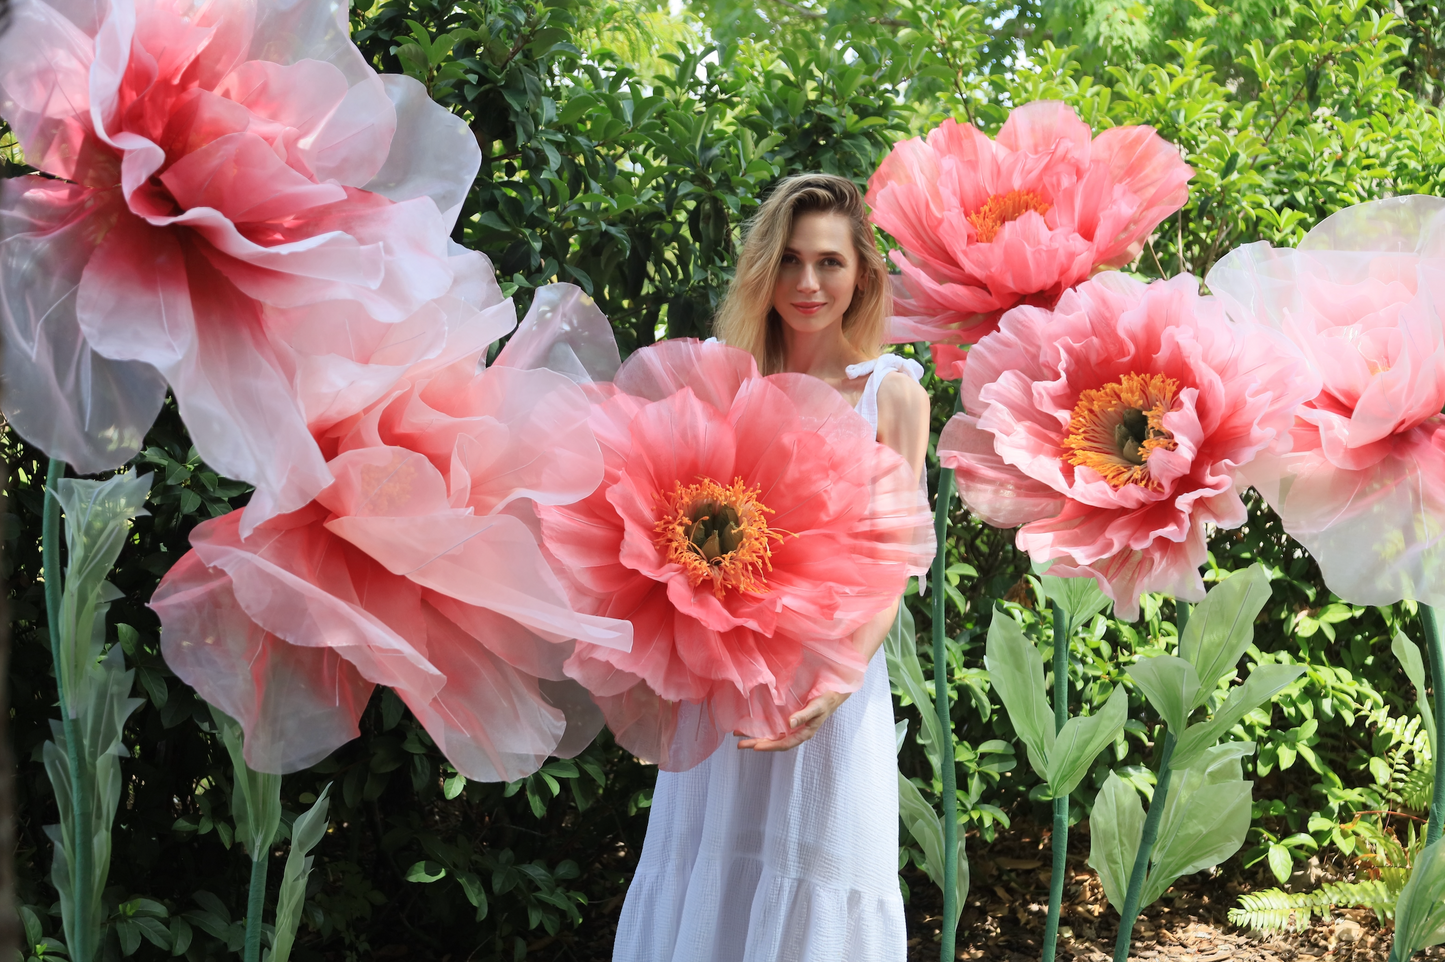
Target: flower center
[1002,208]
[1116,427]
[718,534]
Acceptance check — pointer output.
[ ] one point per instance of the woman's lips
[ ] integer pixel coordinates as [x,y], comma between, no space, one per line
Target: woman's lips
[809,308]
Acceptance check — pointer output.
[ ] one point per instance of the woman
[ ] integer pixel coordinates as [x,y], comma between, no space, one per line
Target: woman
[786,848]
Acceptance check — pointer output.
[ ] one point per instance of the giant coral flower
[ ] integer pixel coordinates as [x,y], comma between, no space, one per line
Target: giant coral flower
[1363,487]
[986,225]
[419,568]
[245,211]
[746,526]
[1112,429]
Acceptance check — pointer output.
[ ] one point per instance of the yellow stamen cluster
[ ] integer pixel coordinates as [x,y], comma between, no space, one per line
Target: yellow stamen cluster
[1002,208]
[718,534]
[1116,427]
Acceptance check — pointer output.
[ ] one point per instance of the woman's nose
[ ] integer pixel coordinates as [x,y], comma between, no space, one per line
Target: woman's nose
[807,278]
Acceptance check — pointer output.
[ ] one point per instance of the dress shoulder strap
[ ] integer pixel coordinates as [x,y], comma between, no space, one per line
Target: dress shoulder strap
[877,369]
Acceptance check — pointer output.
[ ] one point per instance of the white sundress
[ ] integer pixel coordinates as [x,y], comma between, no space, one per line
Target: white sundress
[780,856]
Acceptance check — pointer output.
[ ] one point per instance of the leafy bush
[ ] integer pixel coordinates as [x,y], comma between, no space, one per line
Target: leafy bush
[627,167]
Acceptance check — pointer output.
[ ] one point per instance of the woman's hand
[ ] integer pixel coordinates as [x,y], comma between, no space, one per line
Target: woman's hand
[802,726]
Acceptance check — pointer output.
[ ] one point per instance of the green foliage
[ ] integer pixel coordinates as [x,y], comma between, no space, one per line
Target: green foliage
[1275,910]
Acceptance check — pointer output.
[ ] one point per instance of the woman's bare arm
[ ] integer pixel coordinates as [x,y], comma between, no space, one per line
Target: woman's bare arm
[903,426]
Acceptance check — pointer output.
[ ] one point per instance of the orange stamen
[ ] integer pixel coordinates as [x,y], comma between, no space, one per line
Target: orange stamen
[718,534]
[1116,427]
[1002,208]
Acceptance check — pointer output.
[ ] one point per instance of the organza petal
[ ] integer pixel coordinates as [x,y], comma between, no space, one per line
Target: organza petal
[490,720]
[296,704]
[59,393]
[434,153]
[564,331]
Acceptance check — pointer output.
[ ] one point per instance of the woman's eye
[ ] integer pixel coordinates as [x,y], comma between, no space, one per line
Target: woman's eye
[832,262]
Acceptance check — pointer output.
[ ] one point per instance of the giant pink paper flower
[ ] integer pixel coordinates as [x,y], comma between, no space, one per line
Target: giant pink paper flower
[419,568]
[1363,487]
[245,211]
[986,225]
[1113,428]
[746,526]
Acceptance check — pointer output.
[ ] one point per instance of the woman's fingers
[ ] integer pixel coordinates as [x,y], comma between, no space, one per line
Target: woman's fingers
[803,725]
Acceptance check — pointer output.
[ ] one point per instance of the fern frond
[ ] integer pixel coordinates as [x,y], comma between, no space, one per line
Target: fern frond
[1275,910]
[1418,787]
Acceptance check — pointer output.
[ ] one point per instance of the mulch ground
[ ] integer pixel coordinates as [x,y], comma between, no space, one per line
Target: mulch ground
[1003,917]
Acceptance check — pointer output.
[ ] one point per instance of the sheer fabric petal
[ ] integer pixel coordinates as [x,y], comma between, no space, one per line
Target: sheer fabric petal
[1361,487]
[59,393]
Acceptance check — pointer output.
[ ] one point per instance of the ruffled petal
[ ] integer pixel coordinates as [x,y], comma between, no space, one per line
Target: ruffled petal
[296,704]
[59,393]
[564,331]
[434,153]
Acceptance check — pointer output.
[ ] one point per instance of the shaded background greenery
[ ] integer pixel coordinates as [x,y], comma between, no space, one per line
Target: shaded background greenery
[624,145]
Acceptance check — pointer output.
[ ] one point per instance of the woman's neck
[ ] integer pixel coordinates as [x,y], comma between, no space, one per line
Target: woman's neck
[823,354]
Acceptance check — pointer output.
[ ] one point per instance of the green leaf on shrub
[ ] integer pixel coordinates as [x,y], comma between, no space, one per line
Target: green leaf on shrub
[1079,598]
[425,872]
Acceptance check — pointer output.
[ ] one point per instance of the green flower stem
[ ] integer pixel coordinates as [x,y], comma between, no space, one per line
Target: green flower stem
[80,791]
[947,769]
[1129,914]
[1436,650]
[1060,838]
[256,905]
[946,766]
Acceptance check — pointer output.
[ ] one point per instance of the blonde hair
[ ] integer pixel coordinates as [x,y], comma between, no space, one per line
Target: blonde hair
[746,318]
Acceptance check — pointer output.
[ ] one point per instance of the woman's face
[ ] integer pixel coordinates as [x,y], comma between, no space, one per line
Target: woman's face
[819,273]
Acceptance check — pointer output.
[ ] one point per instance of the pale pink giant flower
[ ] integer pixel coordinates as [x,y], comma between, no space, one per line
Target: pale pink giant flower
[419,568]
[245,211]
[1363,486]
[1113,429]
[986,225]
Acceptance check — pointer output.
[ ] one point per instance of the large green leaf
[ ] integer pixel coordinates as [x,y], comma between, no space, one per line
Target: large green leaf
[926,828]
[1408,654]
[1016,672]
[1420,912]
[255,796]
[1221,627]
[1206,818]
[1263,683]
[1081,740]
[1115,827]
[900,649]
[307,831]
[1079,598]
[1171,685]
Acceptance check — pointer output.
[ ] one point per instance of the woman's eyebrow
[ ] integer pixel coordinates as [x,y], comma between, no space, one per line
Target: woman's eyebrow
[794,250]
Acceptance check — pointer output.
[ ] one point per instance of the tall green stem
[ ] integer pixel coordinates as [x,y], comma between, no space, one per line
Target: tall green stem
[1060,838]
[1436,651]
[256,905]
[80,789]
[1129,914]
[946,767]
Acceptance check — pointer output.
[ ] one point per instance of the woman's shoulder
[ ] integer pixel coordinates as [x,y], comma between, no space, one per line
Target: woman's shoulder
[900,396]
